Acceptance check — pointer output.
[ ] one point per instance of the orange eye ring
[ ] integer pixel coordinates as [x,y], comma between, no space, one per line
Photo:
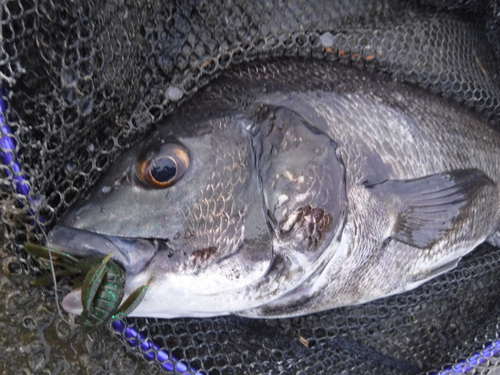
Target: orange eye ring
[163,168]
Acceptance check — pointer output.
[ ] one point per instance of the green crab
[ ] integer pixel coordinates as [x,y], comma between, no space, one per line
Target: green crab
[102,282]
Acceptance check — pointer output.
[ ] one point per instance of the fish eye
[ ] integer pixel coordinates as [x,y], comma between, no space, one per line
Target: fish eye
[161,165]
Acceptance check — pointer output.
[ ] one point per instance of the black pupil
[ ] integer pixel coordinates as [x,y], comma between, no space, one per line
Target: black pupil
[163,170]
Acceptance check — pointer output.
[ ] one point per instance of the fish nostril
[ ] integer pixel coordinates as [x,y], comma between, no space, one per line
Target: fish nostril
[125,180]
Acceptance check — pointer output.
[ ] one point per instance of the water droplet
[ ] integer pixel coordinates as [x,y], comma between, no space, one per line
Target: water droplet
[70,167]
[247,124]
[327,40]
[174,93]
[86,106]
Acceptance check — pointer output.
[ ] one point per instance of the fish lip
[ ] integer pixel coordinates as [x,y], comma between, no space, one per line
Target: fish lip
[133,254]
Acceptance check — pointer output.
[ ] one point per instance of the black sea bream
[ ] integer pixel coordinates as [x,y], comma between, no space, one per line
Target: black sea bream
[290,187]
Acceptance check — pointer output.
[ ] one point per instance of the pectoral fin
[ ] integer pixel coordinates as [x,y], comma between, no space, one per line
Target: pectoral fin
[428,207]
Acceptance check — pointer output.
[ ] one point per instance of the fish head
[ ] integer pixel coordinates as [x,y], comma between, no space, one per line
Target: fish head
[223,215]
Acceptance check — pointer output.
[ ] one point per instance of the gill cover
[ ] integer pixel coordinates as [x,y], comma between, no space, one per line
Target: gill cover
[303,185]
[303,181]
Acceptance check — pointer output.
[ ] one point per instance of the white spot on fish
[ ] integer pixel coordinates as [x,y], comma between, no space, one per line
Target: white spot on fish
[91,147]
[106,189]
[289,222]
[282,199]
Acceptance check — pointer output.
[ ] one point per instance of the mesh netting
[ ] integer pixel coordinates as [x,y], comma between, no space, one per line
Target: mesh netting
[83,80]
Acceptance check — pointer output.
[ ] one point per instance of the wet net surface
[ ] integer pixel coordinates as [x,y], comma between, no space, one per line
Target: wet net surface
[81,81]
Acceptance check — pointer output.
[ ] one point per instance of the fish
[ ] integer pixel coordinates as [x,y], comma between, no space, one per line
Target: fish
[289,187]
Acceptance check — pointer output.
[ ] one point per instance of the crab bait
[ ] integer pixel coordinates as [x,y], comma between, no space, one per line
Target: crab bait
[102,282]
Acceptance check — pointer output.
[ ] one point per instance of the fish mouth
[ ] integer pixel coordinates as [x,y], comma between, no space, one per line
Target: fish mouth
[133,254]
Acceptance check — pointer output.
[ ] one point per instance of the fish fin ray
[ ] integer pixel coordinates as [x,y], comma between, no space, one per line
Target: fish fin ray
[428,207]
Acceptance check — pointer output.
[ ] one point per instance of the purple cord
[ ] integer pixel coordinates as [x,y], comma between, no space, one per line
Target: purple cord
[465,365]
[152,351]
[7,156]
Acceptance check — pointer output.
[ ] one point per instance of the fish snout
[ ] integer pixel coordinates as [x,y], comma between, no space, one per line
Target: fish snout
[133,254]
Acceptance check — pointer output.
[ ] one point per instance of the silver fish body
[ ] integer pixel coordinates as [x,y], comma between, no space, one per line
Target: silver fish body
[304,186]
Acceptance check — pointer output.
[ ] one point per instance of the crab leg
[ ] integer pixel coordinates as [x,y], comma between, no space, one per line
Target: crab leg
[131,302]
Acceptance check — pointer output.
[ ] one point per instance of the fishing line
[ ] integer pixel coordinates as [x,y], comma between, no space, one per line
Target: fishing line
[53,272]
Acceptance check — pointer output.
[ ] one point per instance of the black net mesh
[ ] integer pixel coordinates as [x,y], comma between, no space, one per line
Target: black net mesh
[81,81]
